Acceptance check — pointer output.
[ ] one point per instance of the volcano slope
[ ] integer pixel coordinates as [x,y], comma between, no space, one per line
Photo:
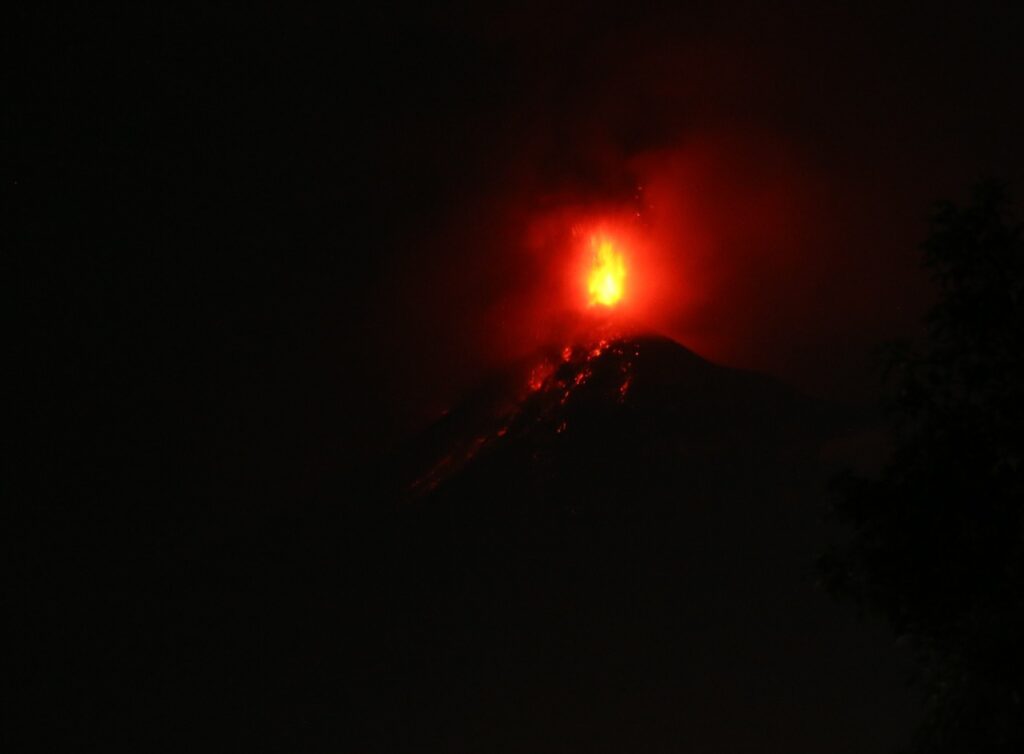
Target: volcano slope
[612,549]
[608,548]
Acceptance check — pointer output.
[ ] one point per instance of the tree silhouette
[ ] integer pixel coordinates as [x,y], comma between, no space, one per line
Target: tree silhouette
[937,541]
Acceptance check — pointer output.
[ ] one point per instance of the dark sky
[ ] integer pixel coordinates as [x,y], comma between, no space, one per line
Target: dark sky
[335,206]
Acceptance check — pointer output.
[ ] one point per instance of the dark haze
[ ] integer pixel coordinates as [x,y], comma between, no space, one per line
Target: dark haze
[790,155]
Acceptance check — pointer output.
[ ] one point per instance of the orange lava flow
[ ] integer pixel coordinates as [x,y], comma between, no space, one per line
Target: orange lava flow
[605,280]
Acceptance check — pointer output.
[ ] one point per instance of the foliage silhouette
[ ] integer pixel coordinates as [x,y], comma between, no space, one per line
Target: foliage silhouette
[938,544]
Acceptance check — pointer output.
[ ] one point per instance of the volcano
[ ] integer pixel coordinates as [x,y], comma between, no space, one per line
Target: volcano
[606,547]
[585,415]
[610,547]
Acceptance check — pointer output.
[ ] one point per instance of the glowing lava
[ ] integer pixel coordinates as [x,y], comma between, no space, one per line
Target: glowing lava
[607,274]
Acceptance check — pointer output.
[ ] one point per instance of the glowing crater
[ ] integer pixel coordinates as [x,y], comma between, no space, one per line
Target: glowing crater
[606,278]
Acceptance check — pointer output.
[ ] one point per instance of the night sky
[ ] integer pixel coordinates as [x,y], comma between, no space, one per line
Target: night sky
[259,249]
[360,185]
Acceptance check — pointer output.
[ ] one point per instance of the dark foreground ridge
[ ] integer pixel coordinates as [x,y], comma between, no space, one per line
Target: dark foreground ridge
[607,549]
